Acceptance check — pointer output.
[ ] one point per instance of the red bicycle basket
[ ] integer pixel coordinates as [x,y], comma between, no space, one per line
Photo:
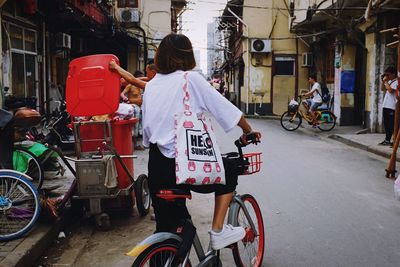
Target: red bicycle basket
[253,164]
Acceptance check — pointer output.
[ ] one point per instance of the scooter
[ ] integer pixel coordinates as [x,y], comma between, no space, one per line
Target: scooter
[56,130]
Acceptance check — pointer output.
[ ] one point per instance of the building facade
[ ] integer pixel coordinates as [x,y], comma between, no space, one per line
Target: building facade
[40,37]
[350,53]
[215,53]
[262,58]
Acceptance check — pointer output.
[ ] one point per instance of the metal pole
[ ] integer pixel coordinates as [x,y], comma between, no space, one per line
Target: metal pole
[247,57]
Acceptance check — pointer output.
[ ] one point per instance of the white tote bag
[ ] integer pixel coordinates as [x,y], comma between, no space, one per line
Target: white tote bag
[198,158]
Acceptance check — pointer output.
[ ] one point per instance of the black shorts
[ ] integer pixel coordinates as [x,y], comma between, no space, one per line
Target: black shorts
[161,172]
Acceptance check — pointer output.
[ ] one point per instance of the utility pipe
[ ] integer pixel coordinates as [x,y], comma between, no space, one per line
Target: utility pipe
[247,57]
[44,58]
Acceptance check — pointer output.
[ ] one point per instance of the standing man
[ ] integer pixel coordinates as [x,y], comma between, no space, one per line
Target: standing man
[133,95]
[389,84]
[151,71]
[311,104]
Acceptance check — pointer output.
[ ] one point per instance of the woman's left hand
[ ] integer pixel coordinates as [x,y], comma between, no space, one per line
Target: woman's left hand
[244,137]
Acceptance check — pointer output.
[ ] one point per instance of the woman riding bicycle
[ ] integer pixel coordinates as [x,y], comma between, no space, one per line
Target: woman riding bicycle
[162,101]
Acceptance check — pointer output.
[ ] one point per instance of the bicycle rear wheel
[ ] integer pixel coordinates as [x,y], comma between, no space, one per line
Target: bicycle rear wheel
[19,205]
[327,121]
[249,251]
[27,163]
[290,121]
[159,254]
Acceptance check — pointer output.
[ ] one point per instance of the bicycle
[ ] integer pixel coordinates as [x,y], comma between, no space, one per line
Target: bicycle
[292,119]
[173,248]
[19,204]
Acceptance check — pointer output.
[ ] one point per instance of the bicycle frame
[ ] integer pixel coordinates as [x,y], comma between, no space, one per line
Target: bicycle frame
[205,258]
[237,200]
[317,114]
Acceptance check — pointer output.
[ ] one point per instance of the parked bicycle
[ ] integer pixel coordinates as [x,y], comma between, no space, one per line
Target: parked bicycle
[19,204]
[173,248]
[292,119]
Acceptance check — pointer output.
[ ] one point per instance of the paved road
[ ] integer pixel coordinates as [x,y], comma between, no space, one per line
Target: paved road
[324,204]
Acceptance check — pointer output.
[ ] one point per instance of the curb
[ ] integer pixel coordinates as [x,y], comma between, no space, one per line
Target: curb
[263,117]
[33,246]
[361,146]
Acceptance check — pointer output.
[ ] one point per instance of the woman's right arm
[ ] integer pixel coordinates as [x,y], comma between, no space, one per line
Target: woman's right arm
[126,75]
[247,130]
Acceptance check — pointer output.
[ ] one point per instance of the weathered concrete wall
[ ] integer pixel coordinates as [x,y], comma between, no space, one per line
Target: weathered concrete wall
[270,23]
[372,94]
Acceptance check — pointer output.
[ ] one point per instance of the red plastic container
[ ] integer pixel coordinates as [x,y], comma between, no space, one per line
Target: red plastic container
[121,139]
[92,89]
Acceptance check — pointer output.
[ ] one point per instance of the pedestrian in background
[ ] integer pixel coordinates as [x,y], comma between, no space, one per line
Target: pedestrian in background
[312,104]
[133,95]
[389,84]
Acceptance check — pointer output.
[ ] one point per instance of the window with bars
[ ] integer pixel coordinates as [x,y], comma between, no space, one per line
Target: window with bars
[23,60]
[330,64]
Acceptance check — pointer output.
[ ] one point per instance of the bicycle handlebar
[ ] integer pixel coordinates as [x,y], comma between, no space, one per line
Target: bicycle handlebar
[251,138]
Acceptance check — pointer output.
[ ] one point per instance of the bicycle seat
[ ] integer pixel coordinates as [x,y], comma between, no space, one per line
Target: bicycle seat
[172,194]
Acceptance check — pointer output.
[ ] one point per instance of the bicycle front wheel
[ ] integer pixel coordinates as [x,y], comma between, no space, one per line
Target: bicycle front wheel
[26,162]
[19,205]
[290,121]
[160,254]
[249,251]
[327,121]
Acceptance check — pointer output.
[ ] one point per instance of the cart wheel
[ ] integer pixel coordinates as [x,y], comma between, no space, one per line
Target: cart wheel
[142,195]
[102,221]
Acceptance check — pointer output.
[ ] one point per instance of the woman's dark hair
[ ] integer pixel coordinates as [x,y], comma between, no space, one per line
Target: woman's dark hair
[175,52]
[391,70]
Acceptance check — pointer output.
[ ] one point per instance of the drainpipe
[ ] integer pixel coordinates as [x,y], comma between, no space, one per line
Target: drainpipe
[44,58]
[144,45]
[247,57]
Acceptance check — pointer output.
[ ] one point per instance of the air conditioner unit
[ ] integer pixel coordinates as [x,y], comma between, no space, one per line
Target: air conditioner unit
[260,45]
[307,60]
[126,15]
[63,40]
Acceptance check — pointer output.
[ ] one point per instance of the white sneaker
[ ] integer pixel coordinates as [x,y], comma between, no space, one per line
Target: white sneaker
[227,236]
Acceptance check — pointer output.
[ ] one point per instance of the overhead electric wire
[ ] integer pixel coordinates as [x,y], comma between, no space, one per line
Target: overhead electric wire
[297,9]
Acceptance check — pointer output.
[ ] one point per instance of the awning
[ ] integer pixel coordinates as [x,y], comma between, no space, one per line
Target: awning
[326,19]
[127,37]
[236,6]
[375,5]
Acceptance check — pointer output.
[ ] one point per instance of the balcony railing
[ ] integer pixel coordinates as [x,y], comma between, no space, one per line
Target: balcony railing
[90,9]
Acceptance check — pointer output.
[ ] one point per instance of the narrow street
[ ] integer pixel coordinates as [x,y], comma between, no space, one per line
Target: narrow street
[323,203]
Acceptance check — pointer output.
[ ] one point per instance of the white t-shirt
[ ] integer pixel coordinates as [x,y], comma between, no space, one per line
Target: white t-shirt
[390,98]
[316,90]
[163,98]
